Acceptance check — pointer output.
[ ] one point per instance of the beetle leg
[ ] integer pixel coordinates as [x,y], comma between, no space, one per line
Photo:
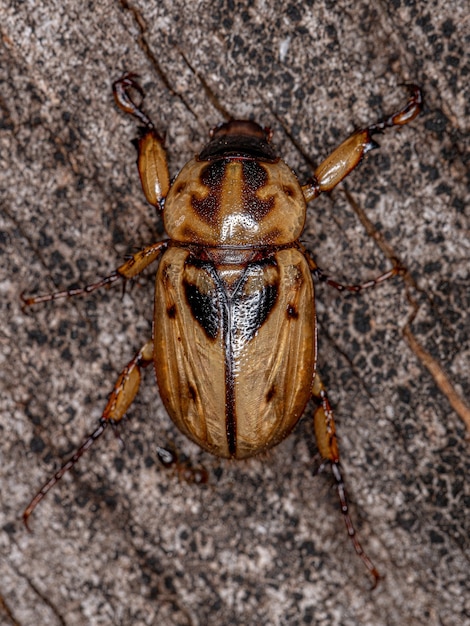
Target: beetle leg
[397,270]
[151,161]
[142,259]
[131,268]
[119,401]
[350,153]
[127,385]
[122,89]
[322,277]
[153,168]
[325,434]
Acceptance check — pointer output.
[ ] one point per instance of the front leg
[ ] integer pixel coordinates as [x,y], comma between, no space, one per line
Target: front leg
[152,163]
[327,442]
[350,153]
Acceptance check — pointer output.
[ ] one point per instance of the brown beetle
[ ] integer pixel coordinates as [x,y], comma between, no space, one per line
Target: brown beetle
[234,332]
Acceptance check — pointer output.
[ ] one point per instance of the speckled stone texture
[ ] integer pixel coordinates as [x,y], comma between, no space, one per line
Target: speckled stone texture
[121,541]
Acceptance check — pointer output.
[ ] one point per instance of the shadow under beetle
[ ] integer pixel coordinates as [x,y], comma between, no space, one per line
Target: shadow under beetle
[234,328]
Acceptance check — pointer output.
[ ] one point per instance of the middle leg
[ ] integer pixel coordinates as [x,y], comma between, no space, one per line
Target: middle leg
[396,270]
[122,396]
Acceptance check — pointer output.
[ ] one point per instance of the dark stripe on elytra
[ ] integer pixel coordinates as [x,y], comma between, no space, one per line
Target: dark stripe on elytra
[238,317]
[230,409]
[211,311]
[255,177]
[212,177]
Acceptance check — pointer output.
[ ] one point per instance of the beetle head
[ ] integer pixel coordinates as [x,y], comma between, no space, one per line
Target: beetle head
[242,139]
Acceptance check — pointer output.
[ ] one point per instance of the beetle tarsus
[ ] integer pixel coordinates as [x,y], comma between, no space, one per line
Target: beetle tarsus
[89,441]
[350,153]
[373,282]
[122,95]
[397,270]
[407,114]
[70,293]
[342,495]
[325,434]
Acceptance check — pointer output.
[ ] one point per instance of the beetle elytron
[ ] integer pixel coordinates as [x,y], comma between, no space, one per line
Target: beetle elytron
[234,331]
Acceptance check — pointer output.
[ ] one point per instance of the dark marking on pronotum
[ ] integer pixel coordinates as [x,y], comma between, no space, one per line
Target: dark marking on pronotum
[171,311]
[255,177]
[212,176]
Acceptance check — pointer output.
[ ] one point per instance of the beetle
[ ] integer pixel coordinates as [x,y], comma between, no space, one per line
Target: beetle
[234,327]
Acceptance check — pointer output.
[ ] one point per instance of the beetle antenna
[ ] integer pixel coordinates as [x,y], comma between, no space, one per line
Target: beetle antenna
[89,441]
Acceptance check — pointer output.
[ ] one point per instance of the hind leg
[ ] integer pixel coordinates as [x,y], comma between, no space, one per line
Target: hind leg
[325,434]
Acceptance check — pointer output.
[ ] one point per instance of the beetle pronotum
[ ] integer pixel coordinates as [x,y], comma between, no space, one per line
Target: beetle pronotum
[234,329]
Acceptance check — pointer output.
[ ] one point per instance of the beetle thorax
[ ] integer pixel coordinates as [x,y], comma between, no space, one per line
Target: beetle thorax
[235,201]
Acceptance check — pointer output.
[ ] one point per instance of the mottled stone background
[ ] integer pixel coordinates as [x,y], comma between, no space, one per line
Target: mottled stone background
[123,542]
